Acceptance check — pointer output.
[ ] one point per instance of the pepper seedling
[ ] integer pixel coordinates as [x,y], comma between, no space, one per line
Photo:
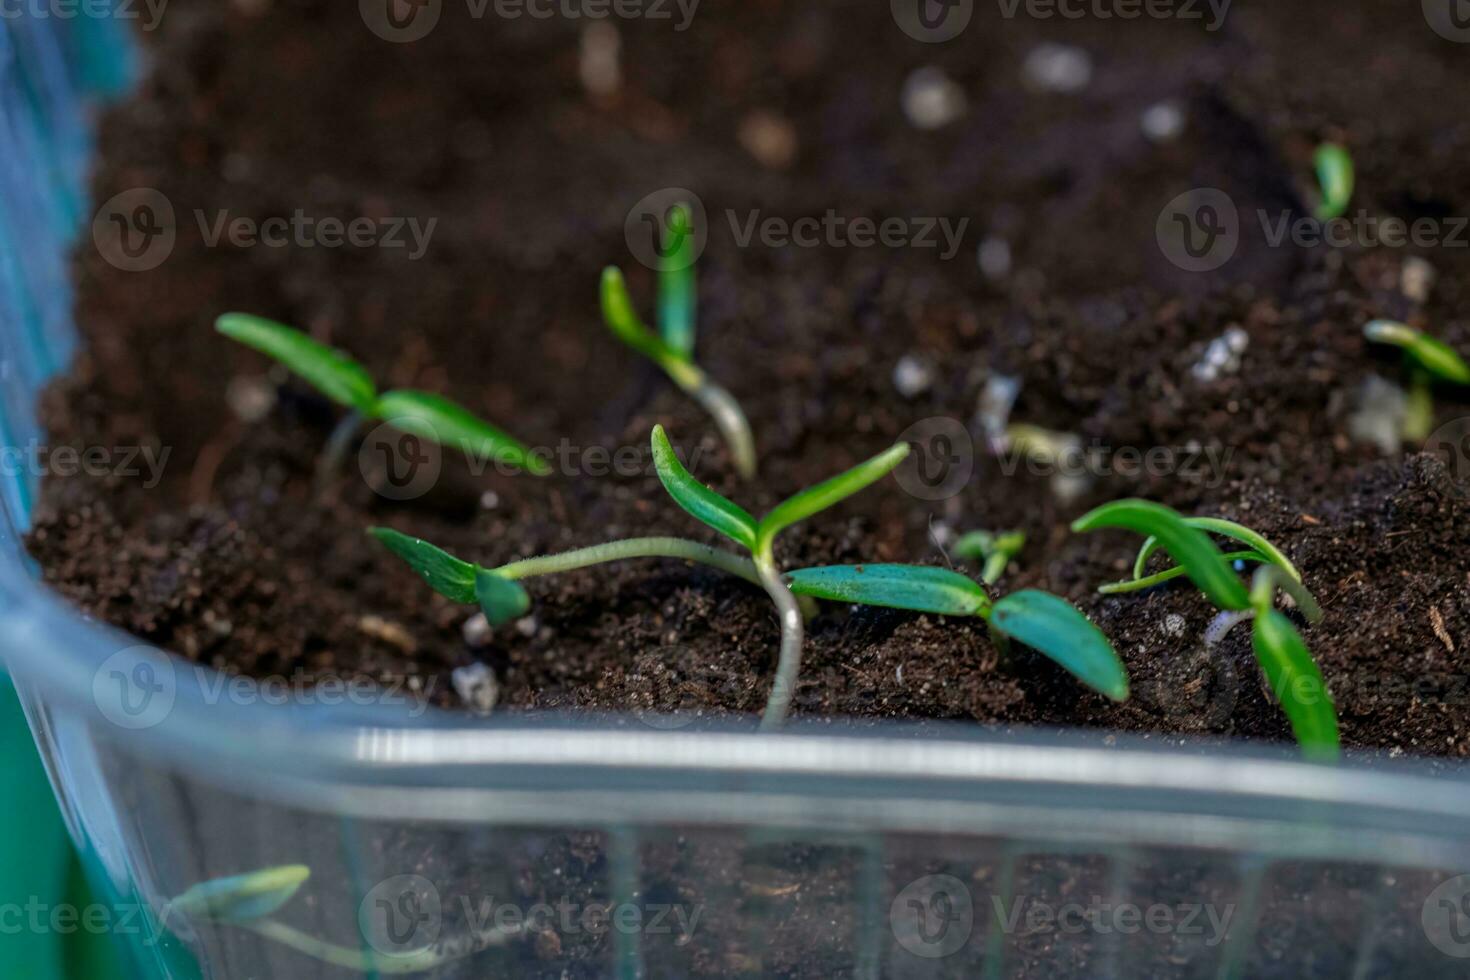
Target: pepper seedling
[672,348]
[346,382]
[1279,648]
[1428,359]
[994,549]
[1335,179]
[248,901]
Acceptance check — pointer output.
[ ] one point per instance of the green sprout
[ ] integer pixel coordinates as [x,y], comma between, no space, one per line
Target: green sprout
[1279,648]
[672,348]
[995,550]
[1428,359]
[346,382]
[1335,178]
[248,901]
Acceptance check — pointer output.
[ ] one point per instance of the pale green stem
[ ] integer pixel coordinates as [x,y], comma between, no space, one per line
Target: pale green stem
[1419,409]
[788,664]
[731,421]
[335,449]
[368,961]
[1139,584]
[1271,578]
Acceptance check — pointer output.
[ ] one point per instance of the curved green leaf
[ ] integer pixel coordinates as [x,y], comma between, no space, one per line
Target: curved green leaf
[500,599]
[702,503]
[446,574]
[1189,546]
[1056,628]
[1435,356]
[627,326]
[919,587]
[1227,529]
[448,423]
[818,498]
[329,370]
[1335,177]
[676,286]
[1297,682]
[241,898]
[1171,573]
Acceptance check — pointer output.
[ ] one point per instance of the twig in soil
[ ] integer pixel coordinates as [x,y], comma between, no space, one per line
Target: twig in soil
[1280,650]
[1335,178]
[672,348]
[346,382]
[1428,359]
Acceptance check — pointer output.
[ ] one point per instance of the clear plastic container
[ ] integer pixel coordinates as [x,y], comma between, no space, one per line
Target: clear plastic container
[659,848]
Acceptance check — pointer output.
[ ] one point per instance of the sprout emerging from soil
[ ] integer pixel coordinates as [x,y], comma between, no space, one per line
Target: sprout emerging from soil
[672,348]
[1279,648]
[247,901]
[1428,359]
[1335,178]
[346,382]
[994,549]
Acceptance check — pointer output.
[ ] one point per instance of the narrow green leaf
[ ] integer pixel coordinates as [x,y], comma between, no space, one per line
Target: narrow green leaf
[1435,356]
[1189,546]
[446,574]
[1335,177]
[919,587]
[627,326]
[1297,682]
[448,423]
[818,498]
[330,371]
[241,898]
[1056,628]
[1171,573]
[500,599]
[996,550]
[698,500]
[1268,579]
[1227,529]
[676,285]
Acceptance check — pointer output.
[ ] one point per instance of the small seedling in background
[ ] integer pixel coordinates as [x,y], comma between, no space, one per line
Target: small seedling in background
[1279,649]
[248,901]
[348,383]
[1335,179]
[1429,359]
[995,550]
[672,348]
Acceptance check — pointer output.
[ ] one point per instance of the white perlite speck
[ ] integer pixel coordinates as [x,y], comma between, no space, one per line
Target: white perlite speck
[931,99]
[994,257]
[912,376]
[1174,625]
[1223,355]
[1058,68]
[476,631]
[1416,279]
[477,687]
[1162,122]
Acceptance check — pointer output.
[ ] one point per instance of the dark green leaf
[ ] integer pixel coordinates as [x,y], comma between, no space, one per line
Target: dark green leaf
[1053,626]
[501,599]
[1227,529]
[1293,675]
[818,498]
[241,898]
[676,288]
[1335,176]
[1190,547]
[918,587]
[328,370]
[446,574]
[448,423]
[697,499]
